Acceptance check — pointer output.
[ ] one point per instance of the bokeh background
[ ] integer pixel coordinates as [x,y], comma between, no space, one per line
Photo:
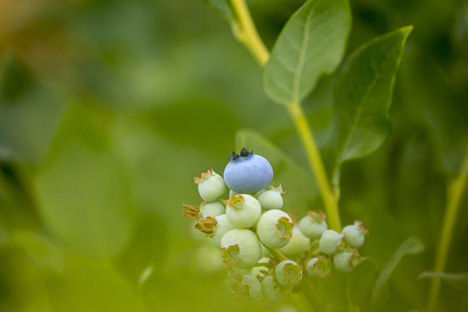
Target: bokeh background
[109,108]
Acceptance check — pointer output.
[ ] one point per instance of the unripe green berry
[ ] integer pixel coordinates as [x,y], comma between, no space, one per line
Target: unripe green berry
[298,244]
[241,248]
[270,290]
[271,198]
[254,286]
[274,228]
[222,227]
[313,225]
[330,242]
[243,211]
[346,261]
[211,209]
[319,266]
[288,273]
[354,234]
[210,186]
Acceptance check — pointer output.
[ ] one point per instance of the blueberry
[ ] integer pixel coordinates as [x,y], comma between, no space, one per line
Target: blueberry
[247,173]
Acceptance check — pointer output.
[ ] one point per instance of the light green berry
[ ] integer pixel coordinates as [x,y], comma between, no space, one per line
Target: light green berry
[346,261]
[288,273]
[354,234]
[222,227]
[211,186]
[241,248]
[329,242]
[254,286]
[271,198]
[298,244]
[313,225]
[270,290]
[274,228]
[319,266]
[243,211]
[212,209]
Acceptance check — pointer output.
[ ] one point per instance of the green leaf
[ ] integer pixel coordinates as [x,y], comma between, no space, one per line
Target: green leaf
[380,293]
[311,44]
[222,7]
[457,281]
[81,192]
[362,98]
[344,291]
[300,186]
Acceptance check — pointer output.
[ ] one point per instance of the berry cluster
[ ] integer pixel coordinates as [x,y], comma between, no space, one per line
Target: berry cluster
[254,234]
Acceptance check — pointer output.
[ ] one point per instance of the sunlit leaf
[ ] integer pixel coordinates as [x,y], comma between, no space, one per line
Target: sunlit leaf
[362,98]
[457,281]
[311,44]
[380,293]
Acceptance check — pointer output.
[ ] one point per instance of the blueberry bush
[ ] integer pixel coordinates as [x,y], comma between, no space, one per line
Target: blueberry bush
[328,138]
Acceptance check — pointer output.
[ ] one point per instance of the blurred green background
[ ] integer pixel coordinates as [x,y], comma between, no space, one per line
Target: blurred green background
[109,108]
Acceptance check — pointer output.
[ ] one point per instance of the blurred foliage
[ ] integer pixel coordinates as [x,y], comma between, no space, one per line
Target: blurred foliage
[109,108]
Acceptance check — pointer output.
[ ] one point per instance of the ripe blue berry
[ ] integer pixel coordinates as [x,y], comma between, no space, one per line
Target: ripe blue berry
[247,173]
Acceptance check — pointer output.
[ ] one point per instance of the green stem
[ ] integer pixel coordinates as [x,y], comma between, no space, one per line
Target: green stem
[329,199]
[248,35]
[246,32]
[455,193]
[277,254]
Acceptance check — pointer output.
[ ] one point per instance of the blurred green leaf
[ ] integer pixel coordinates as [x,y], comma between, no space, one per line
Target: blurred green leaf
[380,293]
[457,281]
[222,7]
[311,44]
[345,291]
[201,123]
[81,190]
[300,186]
[84,286]
[362,98]
[147,248]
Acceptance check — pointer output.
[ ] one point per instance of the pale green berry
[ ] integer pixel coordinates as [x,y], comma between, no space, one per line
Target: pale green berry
[208,259]
[319,266]
[211,209]
[254,286]
[241,248]
[271,198]
[222,227]
[346,261]
[261,270]
[243,210]
[297,245]
[274,228]
[210,186]
[288,273]
[313,225]
[354,234]
[270,290]
[329,242]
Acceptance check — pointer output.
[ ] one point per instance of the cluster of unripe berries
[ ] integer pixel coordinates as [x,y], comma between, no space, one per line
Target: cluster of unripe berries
[252,231]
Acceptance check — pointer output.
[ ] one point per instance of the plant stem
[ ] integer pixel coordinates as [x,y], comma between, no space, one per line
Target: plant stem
[329,199]
[247,33]
[455,193]
[277,254]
